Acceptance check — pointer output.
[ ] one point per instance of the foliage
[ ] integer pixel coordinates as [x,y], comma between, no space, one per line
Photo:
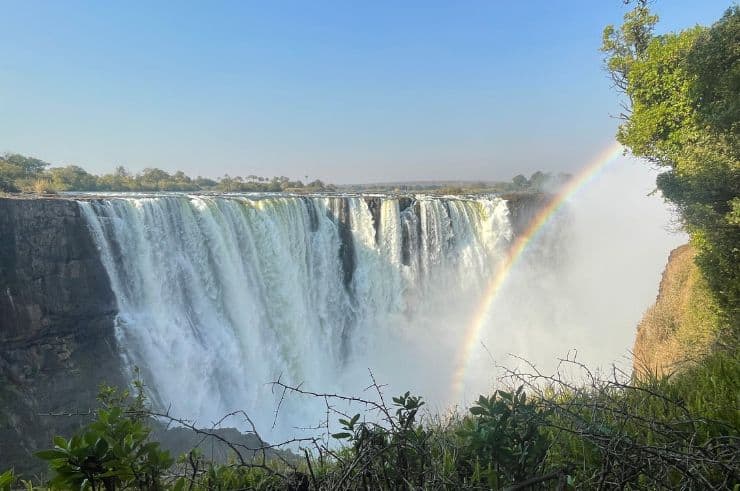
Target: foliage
[675,432]
[683,114]
[6,480]
[503,431]
[72,177]
[680,431]
[41,186]
[497,444]
[20,173]
[112,452]
[628,43]
[684,324]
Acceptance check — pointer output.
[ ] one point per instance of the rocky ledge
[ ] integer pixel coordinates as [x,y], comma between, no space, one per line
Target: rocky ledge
[57,343]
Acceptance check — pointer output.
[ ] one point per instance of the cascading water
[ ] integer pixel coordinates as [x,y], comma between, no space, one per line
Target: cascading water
[218,296]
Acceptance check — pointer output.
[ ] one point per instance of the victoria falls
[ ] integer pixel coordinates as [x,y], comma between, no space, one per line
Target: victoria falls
[355,246]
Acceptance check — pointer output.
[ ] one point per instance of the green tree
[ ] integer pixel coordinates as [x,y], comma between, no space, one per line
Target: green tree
[72,177]
[520,182]
[682,114]
[537,180]
[18,171]
[26,167]
[153,179]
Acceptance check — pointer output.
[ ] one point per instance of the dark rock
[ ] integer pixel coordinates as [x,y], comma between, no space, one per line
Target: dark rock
[215,445]
[524,207]
[340,210]
[405,202]
[374,204]
[57,342]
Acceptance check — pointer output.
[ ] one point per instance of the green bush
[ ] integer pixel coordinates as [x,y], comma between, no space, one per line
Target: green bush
[112,452]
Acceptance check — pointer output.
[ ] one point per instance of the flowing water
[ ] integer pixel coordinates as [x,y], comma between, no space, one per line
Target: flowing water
[218,296]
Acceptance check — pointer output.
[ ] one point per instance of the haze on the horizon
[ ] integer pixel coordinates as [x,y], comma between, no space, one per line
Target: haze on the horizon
[340,91]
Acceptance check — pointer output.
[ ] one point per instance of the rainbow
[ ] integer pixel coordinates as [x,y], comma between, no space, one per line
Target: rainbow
[517,248]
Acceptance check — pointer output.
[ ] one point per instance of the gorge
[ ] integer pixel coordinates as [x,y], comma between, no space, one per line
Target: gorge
[213,297]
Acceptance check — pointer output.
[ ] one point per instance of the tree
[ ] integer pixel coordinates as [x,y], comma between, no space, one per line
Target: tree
[121,172]
[537,180]
[628,43]
[682,114]
[520,182]
[28,167]
[204,182]
[18,171]
[72,177]
[154,179]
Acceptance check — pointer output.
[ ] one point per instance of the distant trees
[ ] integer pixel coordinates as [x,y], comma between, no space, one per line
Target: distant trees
[539,181]
[21,173]
[72,177]
[520,182]
[21,166]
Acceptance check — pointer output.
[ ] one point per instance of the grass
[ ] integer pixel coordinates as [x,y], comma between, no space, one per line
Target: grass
[683,324]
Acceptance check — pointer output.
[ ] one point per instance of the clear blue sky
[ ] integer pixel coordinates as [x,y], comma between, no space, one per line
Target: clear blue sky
[343,91]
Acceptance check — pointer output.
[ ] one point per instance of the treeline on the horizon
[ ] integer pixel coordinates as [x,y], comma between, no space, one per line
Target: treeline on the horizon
[19,173]
[538,182]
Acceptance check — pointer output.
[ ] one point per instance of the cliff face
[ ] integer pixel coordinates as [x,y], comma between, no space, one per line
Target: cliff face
[683,323]
[524,207]
[57,343]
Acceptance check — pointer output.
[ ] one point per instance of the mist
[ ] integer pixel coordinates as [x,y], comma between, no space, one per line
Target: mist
[579,290]
[583,284]
[280,305]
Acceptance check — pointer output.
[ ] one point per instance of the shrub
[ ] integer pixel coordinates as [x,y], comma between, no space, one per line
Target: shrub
[39,186]
[112,452]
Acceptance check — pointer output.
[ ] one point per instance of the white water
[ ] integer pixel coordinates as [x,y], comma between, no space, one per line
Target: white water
[218,296]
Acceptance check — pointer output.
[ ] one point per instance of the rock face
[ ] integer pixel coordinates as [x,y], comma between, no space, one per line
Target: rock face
[682,325]
[57,343]
[57,311]
[524,207]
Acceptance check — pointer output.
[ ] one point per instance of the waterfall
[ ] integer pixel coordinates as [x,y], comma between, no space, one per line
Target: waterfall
[218,296]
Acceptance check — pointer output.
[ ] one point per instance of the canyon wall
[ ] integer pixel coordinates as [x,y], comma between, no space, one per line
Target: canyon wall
[57,313]
[57,343]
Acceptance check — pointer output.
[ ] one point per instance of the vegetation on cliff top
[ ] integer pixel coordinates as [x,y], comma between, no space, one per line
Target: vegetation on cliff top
[21,173]
[682,113]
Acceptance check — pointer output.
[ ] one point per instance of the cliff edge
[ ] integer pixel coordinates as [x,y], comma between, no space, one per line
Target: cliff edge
[57,343]
[682,325]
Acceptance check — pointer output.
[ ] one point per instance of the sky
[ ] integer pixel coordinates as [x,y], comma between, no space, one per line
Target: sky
[348,92]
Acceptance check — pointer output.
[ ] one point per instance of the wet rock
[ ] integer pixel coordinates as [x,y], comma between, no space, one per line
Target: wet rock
[57,343]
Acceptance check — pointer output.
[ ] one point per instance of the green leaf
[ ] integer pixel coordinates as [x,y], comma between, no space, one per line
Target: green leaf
[179,484]
[51,454]
[342,435]
[101,446]
[6,480]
